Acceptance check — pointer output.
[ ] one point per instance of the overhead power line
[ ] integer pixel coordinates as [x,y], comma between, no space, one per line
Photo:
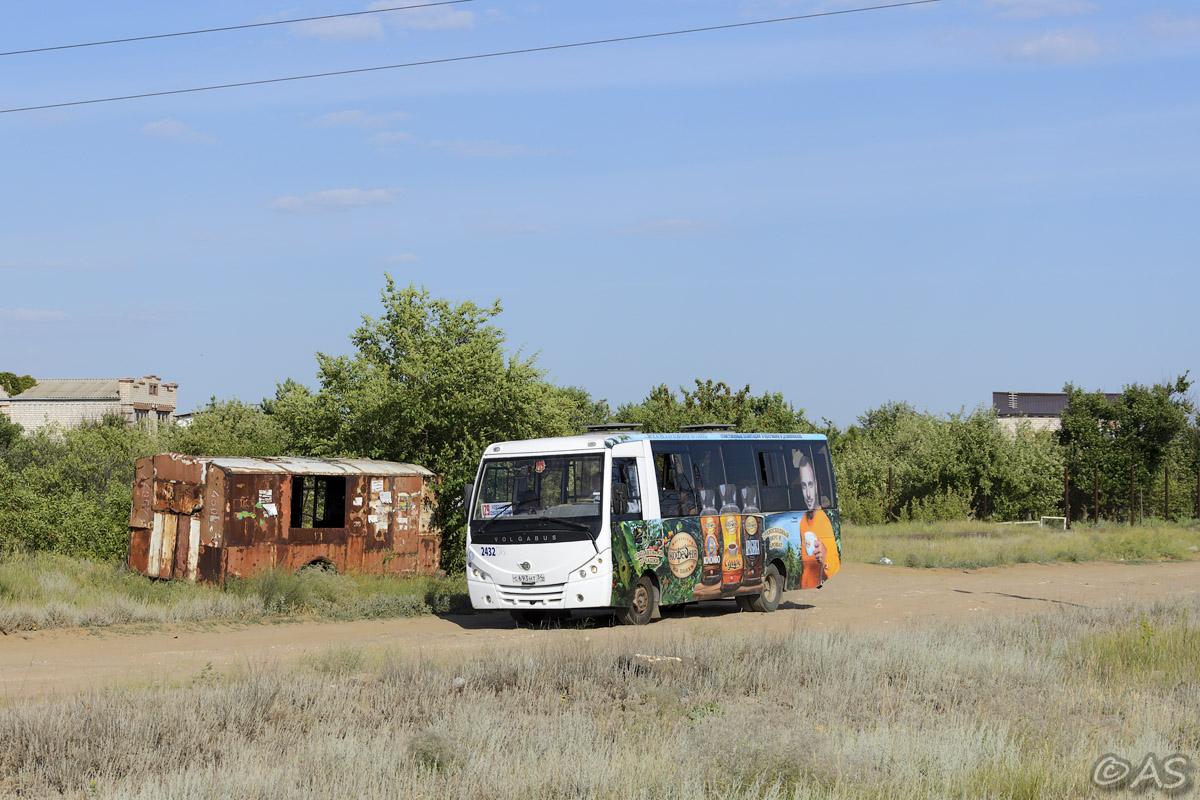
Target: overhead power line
[475,57]
[229,28]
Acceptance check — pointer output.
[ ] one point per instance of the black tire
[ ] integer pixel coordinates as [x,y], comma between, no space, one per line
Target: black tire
[772,591]
[641,605]
[528,619]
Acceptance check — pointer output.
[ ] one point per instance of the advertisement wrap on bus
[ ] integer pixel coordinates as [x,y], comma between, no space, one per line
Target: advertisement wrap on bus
[636,522]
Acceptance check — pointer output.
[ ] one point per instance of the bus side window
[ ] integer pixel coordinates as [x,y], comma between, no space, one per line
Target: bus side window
[740,470]
[676,496]
[824,476]
[818,457]
[626,492]
[773,480]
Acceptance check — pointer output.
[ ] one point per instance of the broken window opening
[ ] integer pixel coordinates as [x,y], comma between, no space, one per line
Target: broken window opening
[318,501]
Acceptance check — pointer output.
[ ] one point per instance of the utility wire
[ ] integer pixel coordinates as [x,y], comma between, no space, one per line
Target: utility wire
[475,57]
[229,28]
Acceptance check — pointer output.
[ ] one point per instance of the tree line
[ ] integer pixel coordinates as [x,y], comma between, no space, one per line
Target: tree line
[430,381]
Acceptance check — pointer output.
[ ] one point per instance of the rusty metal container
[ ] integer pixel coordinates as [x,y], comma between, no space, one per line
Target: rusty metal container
[205,519]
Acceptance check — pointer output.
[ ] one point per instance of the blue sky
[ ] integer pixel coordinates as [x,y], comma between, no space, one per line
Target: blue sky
[925,204]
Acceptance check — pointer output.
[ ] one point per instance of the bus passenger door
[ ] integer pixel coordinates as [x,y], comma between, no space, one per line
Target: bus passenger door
[626,491]
[628,526]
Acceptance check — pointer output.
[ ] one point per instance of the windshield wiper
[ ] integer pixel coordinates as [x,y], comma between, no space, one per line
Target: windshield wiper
[570,523]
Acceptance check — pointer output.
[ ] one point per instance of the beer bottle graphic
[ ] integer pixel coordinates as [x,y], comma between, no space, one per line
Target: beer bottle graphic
[710,538]
[731,538]
[752,544]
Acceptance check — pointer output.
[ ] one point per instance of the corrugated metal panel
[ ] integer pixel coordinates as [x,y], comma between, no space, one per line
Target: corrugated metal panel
[318,466]
[193,552]
[142,513]
[180,468]
[212,530]
[139,550]
[181,498]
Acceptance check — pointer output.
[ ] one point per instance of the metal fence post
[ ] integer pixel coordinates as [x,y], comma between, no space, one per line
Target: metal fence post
[1132,501]
[1166,491]
[889,510]
[1067,498]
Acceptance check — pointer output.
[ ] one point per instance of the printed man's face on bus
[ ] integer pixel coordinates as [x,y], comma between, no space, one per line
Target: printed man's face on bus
[808,486]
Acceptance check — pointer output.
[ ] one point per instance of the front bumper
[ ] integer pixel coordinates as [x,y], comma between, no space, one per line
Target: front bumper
[594,591]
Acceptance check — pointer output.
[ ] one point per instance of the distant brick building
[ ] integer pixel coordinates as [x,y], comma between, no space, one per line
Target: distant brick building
[69,401]
[1042,410]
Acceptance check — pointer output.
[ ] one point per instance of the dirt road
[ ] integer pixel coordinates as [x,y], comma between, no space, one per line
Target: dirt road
[862,596]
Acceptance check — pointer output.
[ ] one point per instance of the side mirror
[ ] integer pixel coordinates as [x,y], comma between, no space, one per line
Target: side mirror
[467,489]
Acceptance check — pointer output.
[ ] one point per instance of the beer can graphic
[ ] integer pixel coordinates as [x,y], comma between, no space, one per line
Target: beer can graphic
[810,543]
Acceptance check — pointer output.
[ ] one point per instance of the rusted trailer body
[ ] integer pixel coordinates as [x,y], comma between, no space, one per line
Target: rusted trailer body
[205,519]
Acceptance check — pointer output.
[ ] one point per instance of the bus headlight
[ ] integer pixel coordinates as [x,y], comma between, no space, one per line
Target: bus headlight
[583,573]
[475,572]
[594,570]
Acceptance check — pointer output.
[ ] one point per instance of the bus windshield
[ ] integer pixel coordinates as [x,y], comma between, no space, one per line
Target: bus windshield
[559,491]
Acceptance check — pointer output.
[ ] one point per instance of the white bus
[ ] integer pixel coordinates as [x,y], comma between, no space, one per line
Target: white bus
[634,522]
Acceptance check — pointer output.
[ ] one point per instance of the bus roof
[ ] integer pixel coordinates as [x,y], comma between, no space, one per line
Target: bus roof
[566,444]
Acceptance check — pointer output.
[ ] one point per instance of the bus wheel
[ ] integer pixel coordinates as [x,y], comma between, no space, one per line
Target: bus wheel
[772,591]
[641,607]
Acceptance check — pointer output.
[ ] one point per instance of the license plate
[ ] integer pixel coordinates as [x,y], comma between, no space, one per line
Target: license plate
[537,577]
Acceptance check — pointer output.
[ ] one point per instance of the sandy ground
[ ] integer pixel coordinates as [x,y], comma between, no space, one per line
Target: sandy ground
[38,663]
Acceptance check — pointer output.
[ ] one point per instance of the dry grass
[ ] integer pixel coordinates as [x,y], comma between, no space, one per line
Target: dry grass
[43,590]
[1008,707]
[970,544]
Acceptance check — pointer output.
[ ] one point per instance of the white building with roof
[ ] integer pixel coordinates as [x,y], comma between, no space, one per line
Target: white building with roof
[69,401]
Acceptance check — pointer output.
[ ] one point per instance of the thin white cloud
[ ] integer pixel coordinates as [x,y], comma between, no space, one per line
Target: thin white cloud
[353,118]
[516,228]
[439,18]
[1028,9]
[1057,47]
[32,314]
[672,228]
[335,200]
[403,258]
[43,266]
[375,26]
[482,148]
[174,129]
[1165,23]
[392,137]
[346,29]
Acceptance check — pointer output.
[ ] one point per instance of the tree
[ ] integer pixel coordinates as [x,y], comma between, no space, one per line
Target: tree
[230,428]
[662,412]
[944,467]
[1138,431]
[429,383]
[69,490]
[14,385]
[10,432]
